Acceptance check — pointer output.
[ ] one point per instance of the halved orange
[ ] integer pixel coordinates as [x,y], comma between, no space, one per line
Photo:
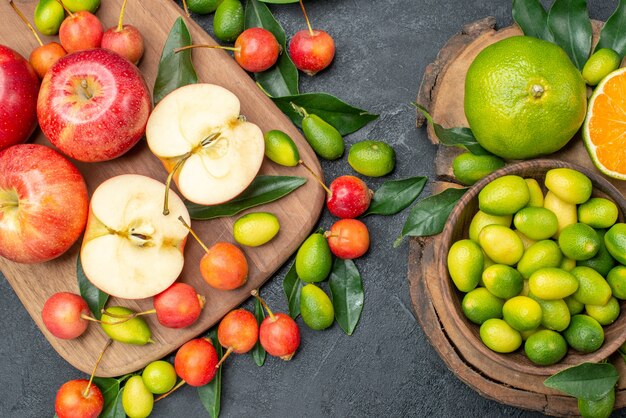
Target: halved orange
[604,130]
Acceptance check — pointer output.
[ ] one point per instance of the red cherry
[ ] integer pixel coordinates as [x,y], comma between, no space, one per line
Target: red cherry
[195,362]
[256,50]
[348,238]
[349,197]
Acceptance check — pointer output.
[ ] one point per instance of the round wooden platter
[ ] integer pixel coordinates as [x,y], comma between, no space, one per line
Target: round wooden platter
[441,92]
[298,212]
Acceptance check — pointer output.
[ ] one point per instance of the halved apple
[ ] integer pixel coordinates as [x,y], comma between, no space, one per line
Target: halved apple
[211,151]
[131,250]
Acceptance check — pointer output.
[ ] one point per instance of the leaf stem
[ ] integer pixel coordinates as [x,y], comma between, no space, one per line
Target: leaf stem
[306,17]
[255,293]
[93,373]
[21,15]
[191,231]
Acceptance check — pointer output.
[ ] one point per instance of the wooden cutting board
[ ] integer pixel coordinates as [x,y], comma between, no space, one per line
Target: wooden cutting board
[297,212]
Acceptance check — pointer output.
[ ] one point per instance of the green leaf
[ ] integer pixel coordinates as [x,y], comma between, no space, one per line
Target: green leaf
[590,381]
[532,18]
[346,289]
[429,215]
[459,137]
[211,393]
[263,189]
[293,286]
[175,69]
[344,117]
[282,78]
[613,34]
[112,394]
[279,1]
[569,23]
[258,352]
[95,298]
[395,195]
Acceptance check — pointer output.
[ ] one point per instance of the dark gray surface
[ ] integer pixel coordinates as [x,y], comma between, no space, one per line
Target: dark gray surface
[387,368]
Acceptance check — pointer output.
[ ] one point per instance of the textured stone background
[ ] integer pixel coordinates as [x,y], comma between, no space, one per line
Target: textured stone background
[387,368]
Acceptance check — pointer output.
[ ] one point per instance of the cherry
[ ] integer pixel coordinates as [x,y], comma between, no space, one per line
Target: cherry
[348,238]
[279,334]
[349,197]
[195,363]
[65,315]
[238,332]
[224,266]
[126,40]
[178,306]
[79,31]
[311,50]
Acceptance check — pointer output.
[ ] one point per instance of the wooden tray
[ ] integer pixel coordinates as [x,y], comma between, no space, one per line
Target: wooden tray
[298,212]
[440,93]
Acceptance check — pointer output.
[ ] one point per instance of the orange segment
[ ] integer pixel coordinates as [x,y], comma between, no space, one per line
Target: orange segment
[604,130]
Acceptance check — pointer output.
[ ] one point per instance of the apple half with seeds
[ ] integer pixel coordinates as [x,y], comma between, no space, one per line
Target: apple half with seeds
[131,250]
[210,150]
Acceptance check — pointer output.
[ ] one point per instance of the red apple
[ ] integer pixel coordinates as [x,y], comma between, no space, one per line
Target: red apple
[43,203]
[79,31]
[178,306]
[93,105]
[63,314]
[279,335]
[72,402]
[127,41]
[256,50]
[311,50]
[195,362]
[45,56]
[19,87]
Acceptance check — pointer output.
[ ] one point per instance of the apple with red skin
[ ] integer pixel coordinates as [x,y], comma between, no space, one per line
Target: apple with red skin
[45,56]
[72,402]
[43,203]
[80,31]
[178,306]
[19,87]
[349,197]
[311,50]
[93,105]
[238,331]
[224,266]
[195,362]
[256,50]
[348,238]
[279,335]
[127,41]
[63,315]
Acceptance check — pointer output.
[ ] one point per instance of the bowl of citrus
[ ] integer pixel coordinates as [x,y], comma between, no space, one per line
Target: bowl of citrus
[533,260]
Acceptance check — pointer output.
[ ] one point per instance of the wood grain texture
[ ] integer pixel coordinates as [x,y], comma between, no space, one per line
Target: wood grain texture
[436,306]
[298,212]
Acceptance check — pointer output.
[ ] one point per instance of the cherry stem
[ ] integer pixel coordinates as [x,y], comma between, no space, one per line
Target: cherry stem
[69,13]
[89,318]
[185,48]
[319,180]
[120,24]
[226,354]
[186,8]
[21,15]
[93,373]
[306,17]
[180,218]
[255,293]
[165,395]
[127,317]
[168,183]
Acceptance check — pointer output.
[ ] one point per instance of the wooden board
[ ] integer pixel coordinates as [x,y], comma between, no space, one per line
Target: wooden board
[297,212]
[440,93]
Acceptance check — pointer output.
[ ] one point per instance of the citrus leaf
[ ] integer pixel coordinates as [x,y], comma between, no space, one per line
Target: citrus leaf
[112,394]
[532,18]
[429,215]
[211,393]
[95,298]
[263,189]
[613,34]
[292,285]
[258,352]
[346,289]
[175,69]
[590,381]
[459,137]
[282,78]
[569,23]
[344,117]
[395,195]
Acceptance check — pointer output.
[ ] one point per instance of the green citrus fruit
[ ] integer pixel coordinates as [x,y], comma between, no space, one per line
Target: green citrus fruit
[527,242]
[482,219]
[524,98]
[552,283]
[569,185]
[603,62]
[536,194]
[256,228]
[522,313]
[615,241]
[316,308]
[545,347]
[554,313]
[579,241]
[536,223]
[228,22]
[592,288]
[497,335]
[503,281]
[602,262]
[480,305]
[565,212]
[203,7]
[584,334]
[545,253]
[504,196]
[159,377]
[598,212]
[465,264]
[605,314]
[501,244]
[280,148]
[372,158]
[567,264]
[617,281]
[469,168]
[597,409]
[49,15]
[137,400]
[574,306]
